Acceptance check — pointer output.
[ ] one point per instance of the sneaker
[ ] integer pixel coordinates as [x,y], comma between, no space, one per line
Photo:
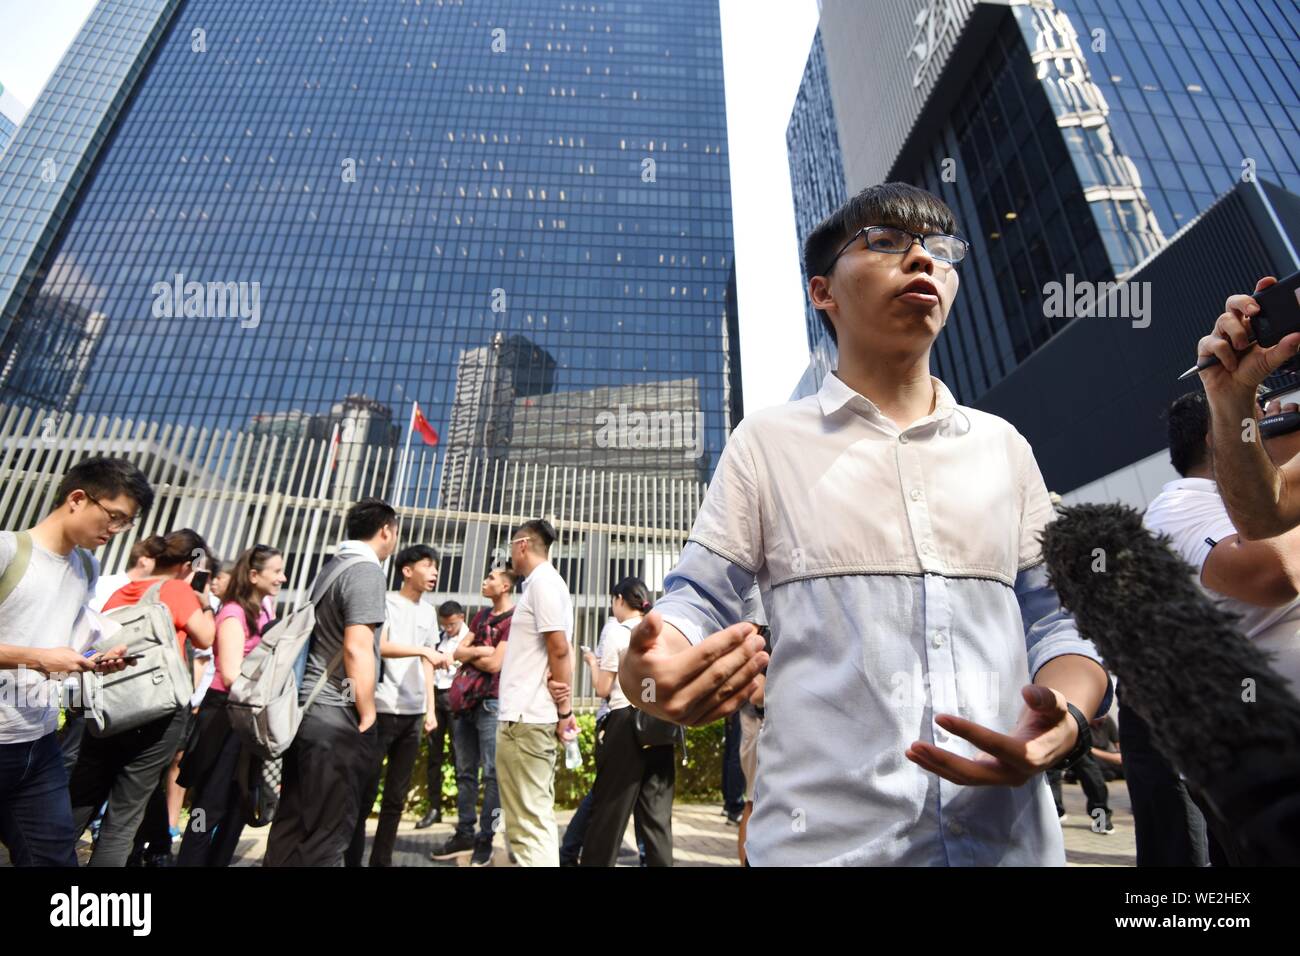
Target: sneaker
[733,819]
[1062,817]
[482,855]
[456,844]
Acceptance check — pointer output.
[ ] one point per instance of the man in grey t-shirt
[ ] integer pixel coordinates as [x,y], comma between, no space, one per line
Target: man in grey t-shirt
[333,754]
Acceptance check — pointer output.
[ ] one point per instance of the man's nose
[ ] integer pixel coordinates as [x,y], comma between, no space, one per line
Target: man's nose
[918,258]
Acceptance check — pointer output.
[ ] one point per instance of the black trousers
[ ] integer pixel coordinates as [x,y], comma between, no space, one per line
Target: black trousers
[125,769]
[210,774]
[629,777]
[733,776]
[440,742]
[1091,780]
[1170,829]
[399,741]
[325,771]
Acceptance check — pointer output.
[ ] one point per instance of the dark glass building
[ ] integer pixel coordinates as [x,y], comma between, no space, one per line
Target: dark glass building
[485,207]
[1076,141]
[816,180]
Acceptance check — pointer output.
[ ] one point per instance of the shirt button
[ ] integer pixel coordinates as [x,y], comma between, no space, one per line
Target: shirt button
[927,548]
[916,494]
[937,640]
[903,438]
[955,827]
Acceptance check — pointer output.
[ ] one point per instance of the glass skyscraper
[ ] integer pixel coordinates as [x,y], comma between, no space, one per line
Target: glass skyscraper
[1073,137]
[10,115]
[816,179]
[515,213]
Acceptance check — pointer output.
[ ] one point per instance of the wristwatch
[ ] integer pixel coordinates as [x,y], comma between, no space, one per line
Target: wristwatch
[1082,745]
[565,716]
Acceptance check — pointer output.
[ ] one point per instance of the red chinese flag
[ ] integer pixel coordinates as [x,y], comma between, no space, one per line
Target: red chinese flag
[425,429]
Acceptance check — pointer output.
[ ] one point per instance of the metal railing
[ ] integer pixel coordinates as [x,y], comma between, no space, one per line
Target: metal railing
[291,491]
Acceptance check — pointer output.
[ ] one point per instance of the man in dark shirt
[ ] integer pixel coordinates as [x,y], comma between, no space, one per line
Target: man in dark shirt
[473,702]
[326,767]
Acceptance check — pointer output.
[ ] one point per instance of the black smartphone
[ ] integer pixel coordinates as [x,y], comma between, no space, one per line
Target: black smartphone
[1279,311]
[200,581]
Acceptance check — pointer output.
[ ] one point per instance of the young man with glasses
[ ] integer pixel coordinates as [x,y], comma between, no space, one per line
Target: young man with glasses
[894,536]
[44,589]
[535,698]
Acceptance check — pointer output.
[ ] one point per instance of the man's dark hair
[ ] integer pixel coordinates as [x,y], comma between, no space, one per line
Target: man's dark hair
[449,608]
[538,529]
[1189,423]
[509,574]
[103,477]
[414,554]
[888,204]
[368,517]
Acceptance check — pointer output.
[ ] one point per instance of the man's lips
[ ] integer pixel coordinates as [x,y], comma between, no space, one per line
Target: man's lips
[920,290]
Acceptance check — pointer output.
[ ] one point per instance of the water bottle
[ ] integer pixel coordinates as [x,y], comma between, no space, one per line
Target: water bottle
[572,755]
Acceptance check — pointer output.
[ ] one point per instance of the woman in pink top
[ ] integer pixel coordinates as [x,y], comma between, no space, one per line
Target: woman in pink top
[210,769]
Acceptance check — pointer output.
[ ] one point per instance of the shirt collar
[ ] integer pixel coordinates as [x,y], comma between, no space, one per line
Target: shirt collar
[835,394]
[352,546]
[544,564]
[1192,484]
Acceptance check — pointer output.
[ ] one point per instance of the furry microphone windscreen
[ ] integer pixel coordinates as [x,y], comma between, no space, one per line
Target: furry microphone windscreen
[1217,709]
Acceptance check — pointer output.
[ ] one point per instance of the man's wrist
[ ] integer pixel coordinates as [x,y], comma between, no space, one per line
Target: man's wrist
[1082,742]
[564,716]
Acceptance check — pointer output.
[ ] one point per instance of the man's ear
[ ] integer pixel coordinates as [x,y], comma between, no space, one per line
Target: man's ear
[819,292]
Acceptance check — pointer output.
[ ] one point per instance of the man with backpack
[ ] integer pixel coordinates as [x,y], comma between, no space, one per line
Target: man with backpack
[330,759]
[44,588]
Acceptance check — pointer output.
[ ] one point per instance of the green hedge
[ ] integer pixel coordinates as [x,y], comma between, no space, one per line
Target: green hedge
[700,781]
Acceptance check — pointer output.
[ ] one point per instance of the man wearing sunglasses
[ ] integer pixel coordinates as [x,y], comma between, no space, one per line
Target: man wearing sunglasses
[922,675]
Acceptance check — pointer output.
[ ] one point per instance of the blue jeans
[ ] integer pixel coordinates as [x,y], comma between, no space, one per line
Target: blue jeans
[35,813]
[474,740]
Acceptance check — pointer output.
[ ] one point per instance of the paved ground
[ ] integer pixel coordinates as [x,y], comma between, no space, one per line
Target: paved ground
[702,837]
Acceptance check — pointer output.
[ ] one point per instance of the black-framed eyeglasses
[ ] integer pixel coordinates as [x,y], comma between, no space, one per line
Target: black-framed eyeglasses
[895,241]
[117,521]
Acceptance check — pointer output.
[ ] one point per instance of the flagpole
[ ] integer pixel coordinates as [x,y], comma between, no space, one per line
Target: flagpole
[400,490]
[325,477]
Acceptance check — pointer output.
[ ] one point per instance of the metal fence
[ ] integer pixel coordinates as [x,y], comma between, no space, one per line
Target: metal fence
[291,491]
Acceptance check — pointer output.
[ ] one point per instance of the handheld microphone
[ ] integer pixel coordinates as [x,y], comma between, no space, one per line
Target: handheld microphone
[1217,709]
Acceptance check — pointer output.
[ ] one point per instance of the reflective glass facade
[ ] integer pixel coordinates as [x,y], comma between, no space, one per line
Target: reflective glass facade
[1081,148]
[480,206]
[816,178]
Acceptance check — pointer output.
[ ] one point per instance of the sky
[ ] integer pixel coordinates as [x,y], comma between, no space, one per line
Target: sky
[765,44]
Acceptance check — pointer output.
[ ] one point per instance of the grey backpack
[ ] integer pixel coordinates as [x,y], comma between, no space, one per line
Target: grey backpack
[263,703]
[156,686]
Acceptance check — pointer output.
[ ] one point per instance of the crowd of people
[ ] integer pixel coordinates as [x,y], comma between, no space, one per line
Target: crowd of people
[383,672]
[859,557]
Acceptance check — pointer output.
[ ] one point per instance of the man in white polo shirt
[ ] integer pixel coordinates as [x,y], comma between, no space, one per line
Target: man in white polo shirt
[1256,580]
[530,722]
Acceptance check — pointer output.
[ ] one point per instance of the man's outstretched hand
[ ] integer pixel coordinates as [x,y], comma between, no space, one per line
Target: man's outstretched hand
[1043,735]
[664,675]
